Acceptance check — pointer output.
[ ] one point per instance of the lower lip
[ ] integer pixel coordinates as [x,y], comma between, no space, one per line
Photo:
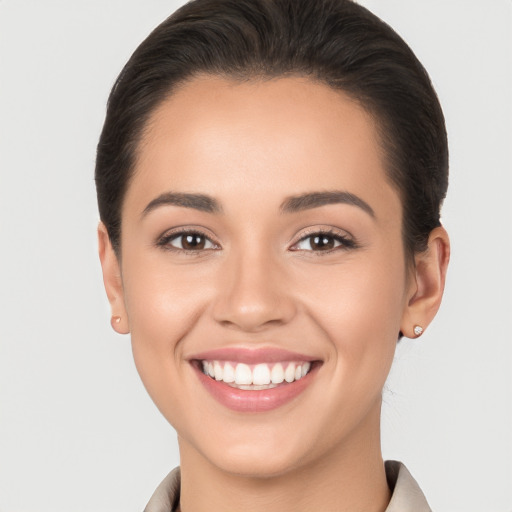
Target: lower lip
[261,400]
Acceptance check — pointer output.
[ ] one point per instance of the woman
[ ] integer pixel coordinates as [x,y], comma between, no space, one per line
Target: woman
[270,176]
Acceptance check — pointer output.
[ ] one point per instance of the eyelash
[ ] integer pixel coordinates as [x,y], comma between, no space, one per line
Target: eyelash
[345,242]
[165,241]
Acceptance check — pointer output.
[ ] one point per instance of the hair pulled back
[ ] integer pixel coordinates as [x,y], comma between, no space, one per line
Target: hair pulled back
[336,42]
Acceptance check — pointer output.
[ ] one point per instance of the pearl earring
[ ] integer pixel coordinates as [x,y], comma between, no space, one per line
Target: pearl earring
[115,320]
[418,330]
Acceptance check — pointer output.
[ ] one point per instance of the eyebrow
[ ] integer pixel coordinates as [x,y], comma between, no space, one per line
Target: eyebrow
[293,204]
[200,202]
[316,199]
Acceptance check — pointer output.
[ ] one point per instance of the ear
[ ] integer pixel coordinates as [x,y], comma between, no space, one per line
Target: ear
[427,283]
[113,281]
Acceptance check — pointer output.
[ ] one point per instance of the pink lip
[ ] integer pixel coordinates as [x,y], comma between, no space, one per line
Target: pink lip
[251,356]
[241,400]
[254,401]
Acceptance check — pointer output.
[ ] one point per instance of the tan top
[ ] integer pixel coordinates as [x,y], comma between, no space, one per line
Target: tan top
[406,494]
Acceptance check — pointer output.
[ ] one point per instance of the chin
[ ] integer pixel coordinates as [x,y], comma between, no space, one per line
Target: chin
[251,463]
[257,452]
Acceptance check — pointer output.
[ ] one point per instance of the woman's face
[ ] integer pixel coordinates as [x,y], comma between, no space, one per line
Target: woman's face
[260,238]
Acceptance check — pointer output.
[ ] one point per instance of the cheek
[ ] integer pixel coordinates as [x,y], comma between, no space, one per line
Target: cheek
[162,300]
[360,308]
[163,306]
[364,296]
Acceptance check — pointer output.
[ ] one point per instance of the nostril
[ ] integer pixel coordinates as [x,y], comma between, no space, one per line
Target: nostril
[253,317]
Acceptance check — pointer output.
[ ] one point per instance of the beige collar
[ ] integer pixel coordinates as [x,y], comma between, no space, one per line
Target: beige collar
[406,497]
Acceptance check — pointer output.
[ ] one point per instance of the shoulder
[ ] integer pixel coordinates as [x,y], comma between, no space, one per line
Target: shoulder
[406,493]
[167,495]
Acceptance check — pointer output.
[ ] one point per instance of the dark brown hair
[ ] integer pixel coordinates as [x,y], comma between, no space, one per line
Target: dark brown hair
[336,42]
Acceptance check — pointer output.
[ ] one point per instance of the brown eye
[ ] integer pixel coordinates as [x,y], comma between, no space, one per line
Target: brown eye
[193,242]
[323,242]
[189,241]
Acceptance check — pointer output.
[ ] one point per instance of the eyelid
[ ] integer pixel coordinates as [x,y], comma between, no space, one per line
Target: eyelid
[164,239]
[347,241]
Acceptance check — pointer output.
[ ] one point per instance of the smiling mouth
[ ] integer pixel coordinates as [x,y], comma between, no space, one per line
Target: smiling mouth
[254,381]
[255,376]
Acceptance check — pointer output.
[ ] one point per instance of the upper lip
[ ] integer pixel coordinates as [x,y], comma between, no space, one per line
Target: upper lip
[251,355]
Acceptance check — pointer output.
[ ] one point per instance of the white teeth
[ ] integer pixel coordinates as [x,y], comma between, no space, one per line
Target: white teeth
[217,369]
[289,373]
[229,373]
[260,376]
[243,374]
[277,374]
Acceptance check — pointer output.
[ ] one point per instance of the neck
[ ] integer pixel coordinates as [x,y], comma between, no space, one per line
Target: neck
[351,477]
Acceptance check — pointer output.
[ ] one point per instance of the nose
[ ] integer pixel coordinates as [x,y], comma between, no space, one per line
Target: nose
[253,294]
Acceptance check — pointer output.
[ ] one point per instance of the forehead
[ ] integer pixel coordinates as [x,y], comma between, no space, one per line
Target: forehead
[219,136]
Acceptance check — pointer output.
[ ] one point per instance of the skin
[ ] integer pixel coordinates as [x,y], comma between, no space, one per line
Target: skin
[260,283]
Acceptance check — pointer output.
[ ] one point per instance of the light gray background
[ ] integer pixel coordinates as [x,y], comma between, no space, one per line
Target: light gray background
[77,431]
